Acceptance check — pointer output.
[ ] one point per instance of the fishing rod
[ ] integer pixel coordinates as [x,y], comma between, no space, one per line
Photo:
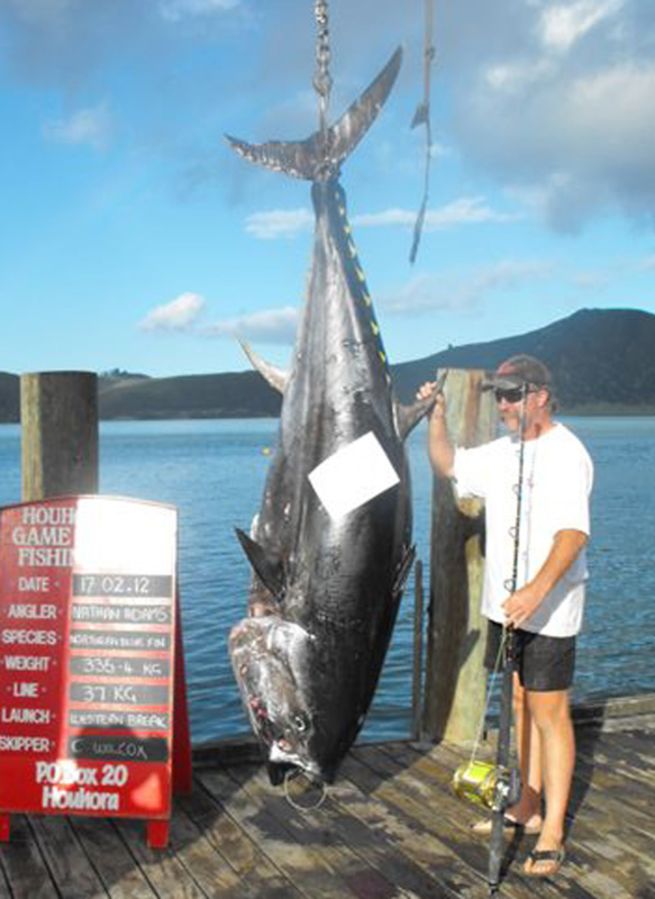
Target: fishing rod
[507,785]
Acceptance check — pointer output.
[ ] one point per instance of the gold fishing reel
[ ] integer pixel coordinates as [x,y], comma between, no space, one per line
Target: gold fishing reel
[484,784]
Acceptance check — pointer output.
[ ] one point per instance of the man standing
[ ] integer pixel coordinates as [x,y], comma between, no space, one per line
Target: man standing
[545,612]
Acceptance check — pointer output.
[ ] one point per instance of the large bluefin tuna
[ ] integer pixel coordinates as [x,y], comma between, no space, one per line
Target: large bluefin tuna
[326,587]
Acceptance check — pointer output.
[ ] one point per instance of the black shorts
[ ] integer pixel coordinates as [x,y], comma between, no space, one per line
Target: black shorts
[542,663]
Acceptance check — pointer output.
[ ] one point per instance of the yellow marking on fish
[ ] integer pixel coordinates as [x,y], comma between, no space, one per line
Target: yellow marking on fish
[374,328]
[367,298]
[360,273]
[382,356]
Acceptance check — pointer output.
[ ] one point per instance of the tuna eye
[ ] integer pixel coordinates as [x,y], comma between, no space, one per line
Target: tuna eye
[299,723]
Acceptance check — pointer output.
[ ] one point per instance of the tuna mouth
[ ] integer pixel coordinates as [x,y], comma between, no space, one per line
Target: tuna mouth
[281,755]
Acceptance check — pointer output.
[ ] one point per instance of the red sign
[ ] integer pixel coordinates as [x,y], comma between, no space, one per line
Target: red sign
[88,627]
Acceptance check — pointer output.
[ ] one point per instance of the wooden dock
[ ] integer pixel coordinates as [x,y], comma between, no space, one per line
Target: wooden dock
[390,828]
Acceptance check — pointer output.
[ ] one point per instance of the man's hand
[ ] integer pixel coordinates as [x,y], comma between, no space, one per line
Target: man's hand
[521,605]
[432,389]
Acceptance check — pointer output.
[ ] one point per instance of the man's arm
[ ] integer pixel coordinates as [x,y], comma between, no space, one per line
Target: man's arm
[440,449]
[566,547]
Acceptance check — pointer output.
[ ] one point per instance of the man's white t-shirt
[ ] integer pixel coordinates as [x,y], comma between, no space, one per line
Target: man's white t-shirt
[557,481]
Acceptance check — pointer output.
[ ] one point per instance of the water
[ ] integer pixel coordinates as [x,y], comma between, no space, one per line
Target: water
[214,471]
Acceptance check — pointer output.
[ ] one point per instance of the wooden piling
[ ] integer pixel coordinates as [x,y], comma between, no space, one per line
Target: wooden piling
[417,674]
[455,678]
[59,427]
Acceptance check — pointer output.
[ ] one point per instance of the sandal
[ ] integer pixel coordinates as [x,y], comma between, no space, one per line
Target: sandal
[555,857]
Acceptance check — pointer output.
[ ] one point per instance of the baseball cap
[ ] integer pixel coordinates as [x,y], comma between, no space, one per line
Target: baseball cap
[517,371]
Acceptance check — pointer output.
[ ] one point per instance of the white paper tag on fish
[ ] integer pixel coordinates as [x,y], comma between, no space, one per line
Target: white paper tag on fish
[353,475]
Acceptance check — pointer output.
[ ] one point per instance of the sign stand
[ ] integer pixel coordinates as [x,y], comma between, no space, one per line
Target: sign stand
[93,708]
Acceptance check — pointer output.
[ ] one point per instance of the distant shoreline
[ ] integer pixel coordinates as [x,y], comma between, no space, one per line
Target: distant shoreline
[596,410]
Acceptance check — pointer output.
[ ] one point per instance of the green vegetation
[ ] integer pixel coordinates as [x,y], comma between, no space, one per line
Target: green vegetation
[602,361]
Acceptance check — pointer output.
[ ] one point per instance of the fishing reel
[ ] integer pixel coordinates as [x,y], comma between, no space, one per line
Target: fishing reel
[487,785]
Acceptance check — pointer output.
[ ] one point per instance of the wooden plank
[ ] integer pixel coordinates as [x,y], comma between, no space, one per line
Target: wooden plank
[162,868]
[199,856]
[290,850]
[629,754]
[445,817]
[377,853]
[111,859]
[311,830]
[602,863]
[390,828]
[620,707]
[257,875]
[24,865]
[70,867]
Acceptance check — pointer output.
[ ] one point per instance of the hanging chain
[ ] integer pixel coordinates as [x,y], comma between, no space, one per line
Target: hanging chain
[322,79]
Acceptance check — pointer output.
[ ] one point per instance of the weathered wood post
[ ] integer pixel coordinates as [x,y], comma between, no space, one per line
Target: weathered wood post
[59,428]
[455,677]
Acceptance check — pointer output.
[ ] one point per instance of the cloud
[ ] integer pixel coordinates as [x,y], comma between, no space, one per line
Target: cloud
[562,26]
[279,223]
[464,211]
[92,127]
[271,326]
[430,293]
[585,142]
[174,10]
[178,315]
[291,222]
[538,92]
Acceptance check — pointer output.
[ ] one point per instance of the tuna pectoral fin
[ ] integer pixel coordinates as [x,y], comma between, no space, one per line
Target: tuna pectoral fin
[275,376]
[407,417]
[268,570]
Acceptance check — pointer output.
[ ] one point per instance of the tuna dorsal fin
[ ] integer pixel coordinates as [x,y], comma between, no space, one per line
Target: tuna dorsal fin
[275,376]
[319,157]
[268,570]
[407,417]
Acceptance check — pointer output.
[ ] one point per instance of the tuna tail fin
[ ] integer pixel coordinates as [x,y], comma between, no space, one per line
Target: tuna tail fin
[407,417]
[268,570]
[319,157]
[275,376]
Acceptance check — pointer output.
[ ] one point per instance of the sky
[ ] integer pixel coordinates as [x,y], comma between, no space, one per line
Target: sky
[132,238]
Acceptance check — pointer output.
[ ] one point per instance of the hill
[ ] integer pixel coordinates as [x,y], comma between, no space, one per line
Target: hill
[603,361]
[230,395]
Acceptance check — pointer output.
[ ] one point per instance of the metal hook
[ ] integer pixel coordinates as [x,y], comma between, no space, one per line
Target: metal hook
[293,774]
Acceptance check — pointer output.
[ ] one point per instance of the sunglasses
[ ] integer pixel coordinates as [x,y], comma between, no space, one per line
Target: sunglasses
[510,394]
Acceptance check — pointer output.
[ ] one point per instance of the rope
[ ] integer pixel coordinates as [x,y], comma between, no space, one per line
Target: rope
[422,116]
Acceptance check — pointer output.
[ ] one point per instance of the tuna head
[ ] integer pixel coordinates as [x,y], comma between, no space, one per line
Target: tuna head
[270,657]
